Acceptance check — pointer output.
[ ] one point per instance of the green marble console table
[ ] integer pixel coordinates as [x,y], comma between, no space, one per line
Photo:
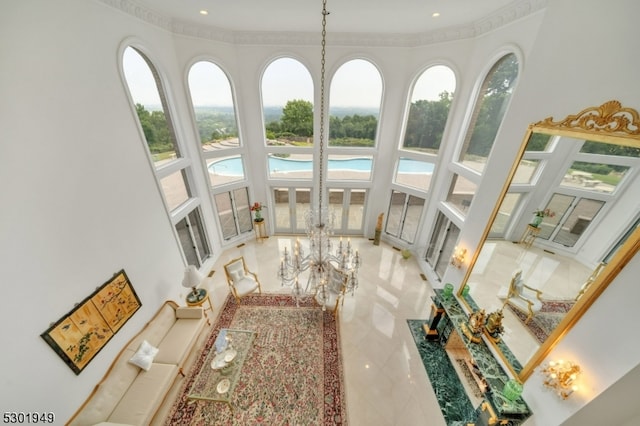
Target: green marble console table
[495,404]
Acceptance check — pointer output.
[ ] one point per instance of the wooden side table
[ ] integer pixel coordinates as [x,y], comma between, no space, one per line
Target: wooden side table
[529,235]
[198,299]
[261,230]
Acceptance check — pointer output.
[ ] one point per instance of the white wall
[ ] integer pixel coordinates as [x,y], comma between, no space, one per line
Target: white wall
[78,205]
[79,200]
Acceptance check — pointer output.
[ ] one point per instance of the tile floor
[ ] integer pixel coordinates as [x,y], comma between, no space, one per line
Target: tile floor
[386,383]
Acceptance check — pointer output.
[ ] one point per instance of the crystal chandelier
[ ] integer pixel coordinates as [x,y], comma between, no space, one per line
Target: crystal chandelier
[321,260]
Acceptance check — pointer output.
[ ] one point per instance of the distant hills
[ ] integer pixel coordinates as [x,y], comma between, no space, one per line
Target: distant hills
[273,113]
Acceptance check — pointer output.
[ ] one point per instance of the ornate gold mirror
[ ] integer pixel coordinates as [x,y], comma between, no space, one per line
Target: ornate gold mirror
[565,225]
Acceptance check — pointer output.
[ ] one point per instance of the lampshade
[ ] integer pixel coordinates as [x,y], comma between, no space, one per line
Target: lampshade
[192,277]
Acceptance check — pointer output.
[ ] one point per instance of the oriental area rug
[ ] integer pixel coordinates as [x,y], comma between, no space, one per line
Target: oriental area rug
[292,375]
[547,319]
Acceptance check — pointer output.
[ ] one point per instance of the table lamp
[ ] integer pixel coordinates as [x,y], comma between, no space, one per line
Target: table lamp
[192,279]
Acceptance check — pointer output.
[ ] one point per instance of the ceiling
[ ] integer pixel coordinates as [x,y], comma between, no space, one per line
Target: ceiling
[346,16]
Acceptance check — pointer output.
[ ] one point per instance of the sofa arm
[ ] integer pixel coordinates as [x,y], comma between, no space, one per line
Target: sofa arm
[189,313]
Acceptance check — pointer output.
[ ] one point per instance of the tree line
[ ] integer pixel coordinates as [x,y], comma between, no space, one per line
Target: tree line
[425,126]
[296,124]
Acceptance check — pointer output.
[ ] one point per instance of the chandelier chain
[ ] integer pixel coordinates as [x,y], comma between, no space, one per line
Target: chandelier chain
[330,274]
[322,105]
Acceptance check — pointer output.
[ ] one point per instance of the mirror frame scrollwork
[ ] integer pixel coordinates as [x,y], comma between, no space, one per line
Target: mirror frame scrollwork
[610,123]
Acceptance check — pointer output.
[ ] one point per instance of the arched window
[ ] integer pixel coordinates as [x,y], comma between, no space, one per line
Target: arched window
[430,102]
[152,108]
[489,110]
[287,103]
[214,111]
[213,106]
[424,129]
[354,104]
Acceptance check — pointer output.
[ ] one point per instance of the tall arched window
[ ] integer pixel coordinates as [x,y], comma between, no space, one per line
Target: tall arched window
[213,106]
[424,129]
[172,172]
[214,111]
[489,110]
[354,104]
[287,103]
[430,102]
[149,97]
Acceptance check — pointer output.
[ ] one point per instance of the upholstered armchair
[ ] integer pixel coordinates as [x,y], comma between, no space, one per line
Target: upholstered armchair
[241,281]
[335,289]
[523,297]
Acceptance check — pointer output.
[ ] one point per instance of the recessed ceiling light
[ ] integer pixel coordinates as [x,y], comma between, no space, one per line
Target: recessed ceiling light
[435,14]
[204,12]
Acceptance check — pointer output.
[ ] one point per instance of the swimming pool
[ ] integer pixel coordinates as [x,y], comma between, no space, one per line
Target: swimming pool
[232,166]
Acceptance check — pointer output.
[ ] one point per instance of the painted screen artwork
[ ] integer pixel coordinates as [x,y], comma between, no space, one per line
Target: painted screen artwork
[79,335]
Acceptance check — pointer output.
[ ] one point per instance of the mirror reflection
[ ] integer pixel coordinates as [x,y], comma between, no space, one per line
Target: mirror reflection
[564,214]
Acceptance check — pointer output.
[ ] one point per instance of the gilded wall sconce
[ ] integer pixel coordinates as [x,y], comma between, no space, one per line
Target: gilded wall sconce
[458,257]
[561,376]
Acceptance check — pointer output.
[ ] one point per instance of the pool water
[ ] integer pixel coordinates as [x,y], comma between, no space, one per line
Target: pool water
[232,166]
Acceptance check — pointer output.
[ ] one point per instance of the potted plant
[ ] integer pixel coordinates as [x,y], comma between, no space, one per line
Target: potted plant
[538,215]
[257,209]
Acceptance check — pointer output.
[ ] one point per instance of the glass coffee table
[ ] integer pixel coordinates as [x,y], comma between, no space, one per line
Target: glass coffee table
[221,369]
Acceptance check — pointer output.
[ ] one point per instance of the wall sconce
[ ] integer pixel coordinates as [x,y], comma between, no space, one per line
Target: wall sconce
[561,376]
[457,259]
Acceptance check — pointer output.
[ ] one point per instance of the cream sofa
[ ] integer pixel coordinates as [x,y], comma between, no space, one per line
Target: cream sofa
[129,395]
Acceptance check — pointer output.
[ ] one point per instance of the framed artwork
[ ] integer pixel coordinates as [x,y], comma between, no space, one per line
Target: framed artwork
[79,335]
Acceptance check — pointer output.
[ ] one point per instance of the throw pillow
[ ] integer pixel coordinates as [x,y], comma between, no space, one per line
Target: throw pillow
[143,358]
[236,276]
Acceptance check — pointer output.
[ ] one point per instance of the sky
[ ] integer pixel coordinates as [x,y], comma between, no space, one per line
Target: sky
[356,83]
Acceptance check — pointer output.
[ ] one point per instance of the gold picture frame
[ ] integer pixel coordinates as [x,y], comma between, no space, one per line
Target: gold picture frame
[79,335]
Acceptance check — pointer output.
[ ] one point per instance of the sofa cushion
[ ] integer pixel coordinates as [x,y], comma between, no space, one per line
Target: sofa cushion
[140,402]
[189,313]
[176,345]
[143,357]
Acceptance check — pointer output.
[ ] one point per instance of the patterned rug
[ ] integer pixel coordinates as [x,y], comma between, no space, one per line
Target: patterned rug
[545,321]
[292,376]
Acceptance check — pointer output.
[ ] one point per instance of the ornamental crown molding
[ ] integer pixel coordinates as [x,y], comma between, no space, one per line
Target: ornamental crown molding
[502,17]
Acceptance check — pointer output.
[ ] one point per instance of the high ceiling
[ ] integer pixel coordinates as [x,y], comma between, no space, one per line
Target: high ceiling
[346,16]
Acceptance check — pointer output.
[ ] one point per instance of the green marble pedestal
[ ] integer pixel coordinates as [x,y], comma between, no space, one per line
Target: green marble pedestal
[454,402]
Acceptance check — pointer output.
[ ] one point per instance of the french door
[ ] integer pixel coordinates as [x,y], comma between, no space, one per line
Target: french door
[291,205]
[193,240]
[234,215]
[442,244]
[572,216]
[347,206]
[403,216]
